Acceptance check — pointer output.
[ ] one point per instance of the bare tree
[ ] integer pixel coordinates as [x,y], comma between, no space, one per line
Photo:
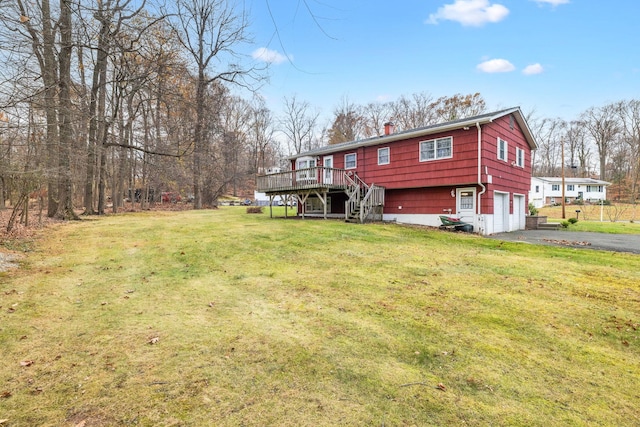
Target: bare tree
[299,125]
[261,136]
[39,26]
[603,127]
[414,112]
[549,134]
[578,154]
[458,106]
[348,123]
[375,115]
[629,119]
[212,32]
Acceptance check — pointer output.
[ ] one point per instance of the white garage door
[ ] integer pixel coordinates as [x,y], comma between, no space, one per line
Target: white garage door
[500,212]
[518,212]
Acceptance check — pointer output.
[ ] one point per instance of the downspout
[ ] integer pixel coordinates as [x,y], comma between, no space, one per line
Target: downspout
[484,189]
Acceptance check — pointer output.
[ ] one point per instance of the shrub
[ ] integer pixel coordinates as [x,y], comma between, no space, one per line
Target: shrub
[573,220]
[533,211]
[565,224]
[254,209]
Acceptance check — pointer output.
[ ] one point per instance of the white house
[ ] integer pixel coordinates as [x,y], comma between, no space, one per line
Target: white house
[547,191]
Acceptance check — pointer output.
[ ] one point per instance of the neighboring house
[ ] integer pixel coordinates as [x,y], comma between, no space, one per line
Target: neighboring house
[477,169]
[547,191]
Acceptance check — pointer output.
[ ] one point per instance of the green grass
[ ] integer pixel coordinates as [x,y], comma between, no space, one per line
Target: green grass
[618,218]
[221,318]
[602,227]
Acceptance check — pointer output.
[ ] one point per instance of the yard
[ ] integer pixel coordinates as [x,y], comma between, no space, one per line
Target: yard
[596,213]
[223,318]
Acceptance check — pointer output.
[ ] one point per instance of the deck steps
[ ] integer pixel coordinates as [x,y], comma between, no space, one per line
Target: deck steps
[549,226]
[354,216]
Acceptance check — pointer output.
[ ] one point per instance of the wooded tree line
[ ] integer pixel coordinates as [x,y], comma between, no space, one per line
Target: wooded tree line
[602,142]
[104,101]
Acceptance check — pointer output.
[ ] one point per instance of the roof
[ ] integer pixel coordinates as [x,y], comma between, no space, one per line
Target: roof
[428,130]
[587,181]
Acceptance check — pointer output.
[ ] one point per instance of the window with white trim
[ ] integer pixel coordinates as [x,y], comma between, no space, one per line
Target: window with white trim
[502,149]
[594,188]
[350,161]
[570,187]
[435,149]
[383,156]
[304,169]
[555,187]
[519,157]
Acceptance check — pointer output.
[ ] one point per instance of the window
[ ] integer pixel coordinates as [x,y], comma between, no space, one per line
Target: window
[314,204]
[383,156]
[350,161]
[434,149]
[594,188]
[555,187]
[519,157]
[306,163]
[502,149]
[466,200]
[304,171]
[570,187]
[537,188]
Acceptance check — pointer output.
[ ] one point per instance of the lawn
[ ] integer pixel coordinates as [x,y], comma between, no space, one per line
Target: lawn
[618,218]
[222,318]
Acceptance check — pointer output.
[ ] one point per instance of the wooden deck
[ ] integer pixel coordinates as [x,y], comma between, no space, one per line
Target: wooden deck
[363,201]
[316,178]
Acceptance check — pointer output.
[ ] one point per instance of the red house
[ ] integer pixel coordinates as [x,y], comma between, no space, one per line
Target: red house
[477,169]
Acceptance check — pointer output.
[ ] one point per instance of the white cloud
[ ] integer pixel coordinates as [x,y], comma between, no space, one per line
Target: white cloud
[473,13]
[532,69]
[496,66]
[268,55]
[553,3]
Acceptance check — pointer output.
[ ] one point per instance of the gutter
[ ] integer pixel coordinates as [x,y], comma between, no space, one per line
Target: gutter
[484,189]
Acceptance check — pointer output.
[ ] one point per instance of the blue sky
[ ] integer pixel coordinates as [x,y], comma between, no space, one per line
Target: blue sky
[557,57]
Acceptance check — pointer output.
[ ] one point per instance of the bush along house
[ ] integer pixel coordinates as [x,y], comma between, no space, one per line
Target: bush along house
[477,169]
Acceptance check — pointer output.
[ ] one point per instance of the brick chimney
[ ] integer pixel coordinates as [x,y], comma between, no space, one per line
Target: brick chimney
[389,128]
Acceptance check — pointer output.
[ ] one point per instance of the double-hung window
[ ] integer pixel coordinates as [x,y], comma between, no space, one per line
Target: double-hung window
[383,156]
[304,169]
[435,149]
[350,161]
[519,157]
[502,149]
[555,187]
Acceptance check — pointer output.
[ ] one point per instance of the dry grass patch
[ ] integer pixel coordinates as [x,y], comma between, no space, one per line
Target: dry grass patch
[221,318]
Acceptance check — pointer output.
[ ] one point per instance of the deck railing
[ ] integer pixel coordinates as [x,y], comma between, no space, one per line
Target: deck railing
[301,179]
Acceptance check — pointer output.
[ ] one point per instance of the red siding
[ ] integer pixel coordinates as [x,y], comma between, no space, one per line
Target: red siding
[506,177]
[420,201]
[406,171]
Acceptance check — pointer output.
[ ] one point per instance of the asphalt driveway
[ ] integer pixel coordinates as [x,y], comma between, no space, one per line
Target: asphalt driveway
[582,240]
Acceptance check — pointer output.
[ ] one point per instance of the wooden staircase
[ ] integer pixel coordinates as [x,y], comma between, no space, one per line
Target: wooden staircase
[364,201]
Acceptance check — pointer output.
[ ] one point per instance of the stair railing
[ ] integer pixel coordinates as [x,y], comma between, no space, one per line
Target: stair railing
[354,190]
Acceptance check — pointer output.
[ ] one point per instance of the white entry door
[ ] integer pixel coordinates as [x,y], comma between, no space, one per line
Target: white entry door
[500,212]
[327,162]
[466,204]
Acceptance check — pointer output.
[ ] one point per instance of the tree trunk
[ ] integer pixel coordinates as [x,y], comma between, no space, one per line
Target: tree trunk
[65,205]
